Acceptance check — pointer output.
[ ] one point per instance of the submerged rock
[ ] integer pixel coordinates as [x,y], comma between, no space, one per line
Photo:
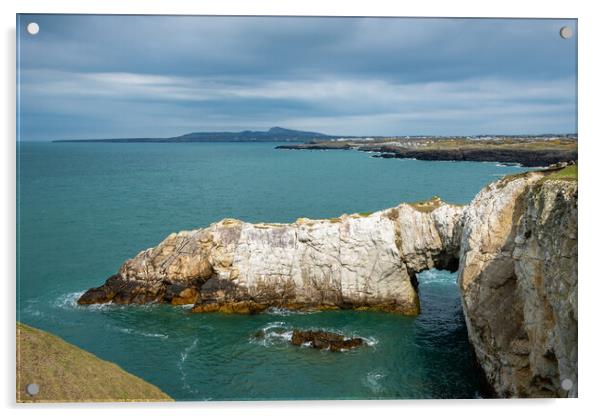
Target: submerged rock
[325,340]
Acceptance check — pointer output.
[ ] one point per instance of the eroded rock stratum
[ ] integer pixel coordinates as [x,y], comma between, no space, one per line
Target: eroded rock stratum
[518,280]
[354,261]
[515,245]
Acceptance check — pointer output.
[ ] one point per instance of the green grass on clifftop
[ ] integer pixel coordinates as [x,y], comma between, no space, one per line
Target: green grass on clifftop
[65,373]
[569,173]
[427,206]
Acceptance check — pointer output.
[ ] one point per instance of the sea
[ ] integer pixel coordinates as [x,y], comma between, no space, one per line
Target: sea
[84,208]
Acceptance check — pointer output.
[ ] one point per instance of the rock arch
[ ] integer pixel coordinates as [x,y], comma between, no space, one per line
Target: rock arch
[353,261]
[515,246]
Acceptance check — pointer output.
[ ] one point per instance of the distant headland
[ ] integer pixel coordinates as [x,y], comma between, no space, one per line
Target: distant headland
[526,150]
[274,134]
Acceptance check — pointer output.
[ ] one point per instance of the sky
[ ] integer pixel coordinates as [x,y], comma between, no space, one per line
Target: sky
[91,76]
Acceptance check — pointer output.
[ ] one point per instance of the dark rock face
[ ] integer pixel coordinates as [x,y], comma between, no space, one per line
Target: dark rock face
[320,146]
[525,157]
[236,307]
[178,294]
[325,340]
[120,291]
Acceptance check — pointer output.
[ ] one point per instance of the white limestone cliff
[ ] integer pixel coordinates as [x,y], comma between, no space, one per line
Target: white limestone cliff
[518,281]
[354,261]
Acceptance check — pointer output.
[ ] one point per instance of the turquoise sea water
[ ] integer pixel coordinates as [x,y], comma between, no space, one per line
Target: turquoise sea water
[85,208]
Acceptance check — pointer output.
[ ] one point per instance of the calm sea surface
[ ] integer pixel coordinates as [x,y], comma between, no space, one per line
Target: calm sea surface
[85,208]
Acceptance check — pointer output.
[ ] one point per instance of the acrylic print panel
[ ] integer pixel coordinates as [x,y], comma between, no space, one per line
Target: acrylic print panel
[270,208]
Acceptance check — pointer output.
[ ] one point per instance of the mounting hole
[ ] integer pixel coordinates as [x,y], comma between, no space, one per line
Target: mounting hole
[32,389]
[566,32]
[33,28]
[566,384]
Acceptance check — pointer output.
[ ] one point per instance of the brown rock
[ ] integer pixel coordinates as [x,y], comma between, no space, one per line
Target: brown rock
[237,307]
[103,294]
[325,340]
[186,296]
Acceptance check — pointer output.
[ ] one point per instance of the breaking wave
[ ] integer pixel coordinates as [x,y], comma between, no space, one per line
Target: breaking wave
[141,333]
[68,301]
[374,380]
[433,276]
[277,332]
[276,311]
[370,341]
[31,309]
[183,358]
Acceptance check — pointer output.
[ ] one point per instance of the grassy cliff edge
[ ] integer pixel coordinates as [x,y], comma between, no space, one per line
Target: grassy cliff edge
[66,373]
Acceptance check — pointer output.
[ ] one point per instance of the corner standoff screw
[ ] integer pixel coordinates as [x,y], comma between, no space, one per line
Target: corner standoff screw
[32,389]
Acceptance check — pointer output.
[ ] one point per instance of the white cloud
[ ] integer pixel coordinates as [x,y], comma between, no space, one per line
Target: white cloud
[357,91]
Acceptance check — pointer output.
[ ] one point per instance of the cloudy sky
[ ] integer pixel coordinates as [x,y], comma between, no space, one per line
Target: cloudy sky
[159,76]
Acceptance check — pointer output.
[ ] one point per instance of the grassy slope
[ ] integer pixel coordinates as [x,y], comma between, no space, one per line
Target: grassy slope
[66,373]
[568,173]
[443,144]
[508,144]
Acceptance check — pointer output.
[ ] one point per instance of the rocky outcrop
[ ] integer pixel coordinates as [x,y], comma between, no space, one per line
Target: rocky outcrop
[353,261]
[515,246]
[524,155]
[518,280]
[319,339]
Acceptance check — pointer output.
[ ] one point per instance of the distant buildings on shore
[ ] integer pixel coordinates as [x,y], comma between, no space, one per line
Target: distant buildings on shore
[425,140]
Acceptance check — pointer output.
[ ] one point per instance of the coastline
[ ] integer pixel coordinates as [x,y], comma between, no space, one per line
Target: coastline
[499,243]
[523,156]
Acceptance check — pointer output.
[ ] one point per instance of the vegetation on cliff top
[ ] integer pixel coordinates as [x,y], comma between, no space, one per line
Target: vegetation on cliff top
[508,143]
[526,151]
[426,206]
[569,173]
[65,373]
[446,144]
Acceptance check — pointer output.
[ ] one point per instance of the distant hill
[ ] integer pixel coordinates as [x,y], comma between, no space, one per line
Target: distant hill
[275,134]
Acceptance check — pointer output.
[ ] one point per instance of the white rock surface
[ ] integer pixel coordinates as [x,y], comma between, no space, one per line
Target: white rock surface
[518,280]
[351,261]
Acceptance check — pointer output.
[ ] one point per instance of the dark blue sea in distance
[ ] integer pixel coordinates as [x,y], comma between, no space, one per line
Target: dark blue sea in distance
[85,208]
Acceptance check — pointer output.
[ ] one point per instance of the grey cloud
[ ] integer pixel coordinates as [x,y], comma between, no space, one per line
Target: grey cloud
[339,75]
